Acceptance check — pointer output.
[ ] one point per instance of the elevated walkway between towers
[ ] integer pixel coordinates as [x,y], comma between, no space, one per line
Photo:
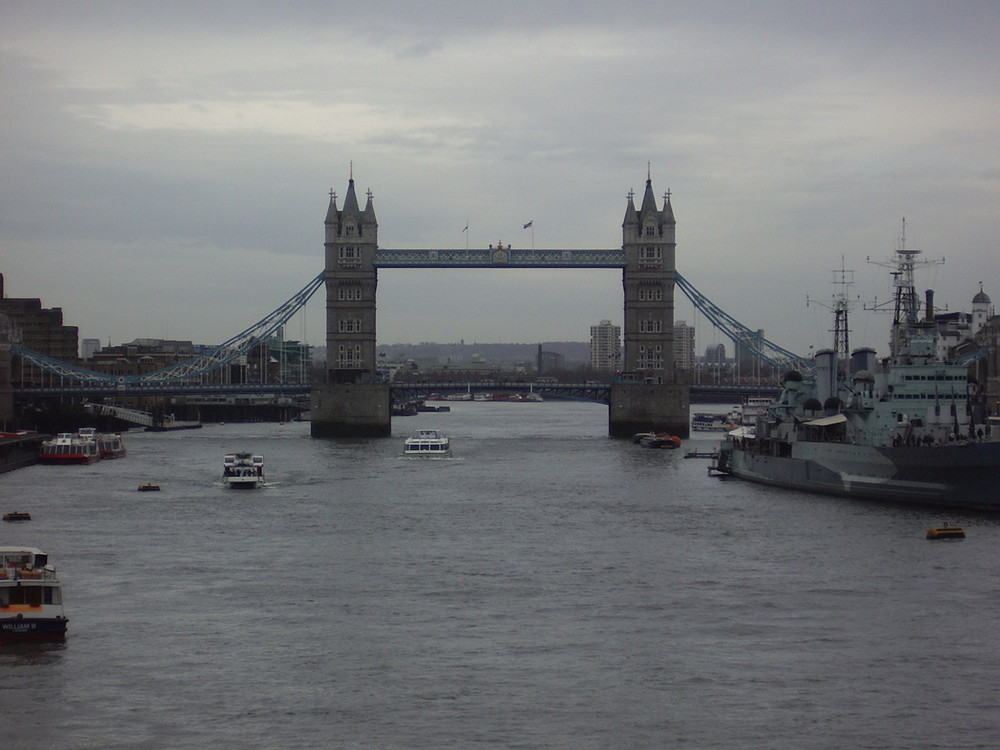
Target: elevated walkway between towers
[501,256]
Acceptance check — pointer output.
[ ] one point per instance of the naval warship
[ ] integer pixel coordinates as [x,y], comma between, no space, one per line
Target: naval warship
[912,428]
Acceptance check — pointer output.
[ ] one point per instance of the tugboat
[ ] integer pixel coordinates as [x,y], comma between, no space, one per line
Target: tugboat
[908,429]
[242,471]
[31,607]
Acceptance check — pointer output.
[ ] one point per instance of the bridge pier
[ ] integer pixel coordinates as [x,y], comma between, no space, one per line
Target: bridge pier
[6,391]
[649,407]
[349,410]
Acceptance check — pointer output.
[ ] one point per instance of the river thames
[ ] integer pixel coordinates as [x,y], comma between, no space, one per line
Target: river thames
[545,587]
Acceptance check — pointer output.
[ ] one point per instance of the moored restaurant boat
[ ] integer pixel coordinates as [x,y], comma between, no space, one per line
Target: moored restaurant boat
[912,429]
[31,607]
[242,471]
[433,443]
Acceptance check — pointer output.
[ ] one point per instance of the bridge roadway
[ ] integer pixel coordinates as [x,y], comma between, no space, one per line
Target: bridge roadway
[401,392]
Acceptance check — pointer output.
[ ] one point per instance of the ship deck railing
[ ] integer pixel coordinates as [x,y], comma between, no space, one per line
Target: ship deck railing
[19,574]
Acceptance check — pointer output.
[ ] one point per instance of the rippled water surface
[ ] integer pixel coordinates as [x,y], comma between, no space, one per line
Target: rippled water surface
[546,587]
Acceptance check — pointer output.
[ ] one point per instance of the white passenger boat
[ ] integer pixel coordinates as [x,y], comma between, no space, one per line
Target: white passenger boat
[427,443]
[31,606]
[242,471]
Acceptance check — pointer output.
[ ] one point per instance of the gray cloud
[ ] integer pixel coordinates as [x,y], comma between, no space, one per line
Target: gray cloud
[173,161]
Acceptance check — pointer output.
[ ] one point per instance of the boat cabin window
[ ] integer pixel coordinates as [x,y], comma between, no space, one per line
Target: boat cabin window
[30,595]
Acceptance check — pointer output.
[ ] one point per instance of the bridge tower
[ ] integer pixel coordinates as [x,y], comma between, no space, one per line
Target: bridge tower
[649,394]
[351,403]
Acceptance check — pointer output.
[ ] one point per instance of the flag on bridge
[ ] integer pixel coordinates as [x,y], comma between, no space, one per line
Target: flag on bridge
[528,225]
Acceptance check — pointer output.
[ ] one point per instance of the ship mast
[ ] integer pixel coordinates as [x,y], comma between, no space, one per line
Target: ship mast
[906,315]
[841,331]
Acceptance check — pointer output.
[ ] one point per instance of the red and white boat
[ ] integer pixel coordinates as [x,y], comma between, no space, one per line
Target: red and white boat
[31,607]
[110,445]
[71,448]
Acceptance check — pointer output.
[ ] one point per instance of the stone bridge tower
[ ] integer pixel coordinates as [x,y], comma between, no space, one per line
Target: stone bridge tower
[648,281]
[650,394]
[351,281]
[351,403]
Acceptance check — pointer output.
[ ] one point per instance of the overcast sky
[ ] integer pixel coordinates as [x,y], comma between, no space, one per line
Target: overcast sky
[167,166]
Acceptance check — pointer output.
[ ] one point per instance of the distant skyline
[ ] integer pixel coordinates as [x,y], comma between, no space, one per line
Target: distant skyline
[167,166]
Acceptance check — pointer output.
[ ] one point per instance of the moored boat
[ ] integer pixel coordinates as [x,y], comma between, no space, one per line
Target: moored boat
[242,471]
[910,429]
[708,422]
[71,448]
[31,607]
[432,443]
[110,445]
[661,440]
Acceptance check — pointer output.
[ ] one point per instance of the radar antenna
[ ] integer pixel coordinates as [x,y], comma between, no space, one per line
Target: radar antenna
[841,307]
[907,304]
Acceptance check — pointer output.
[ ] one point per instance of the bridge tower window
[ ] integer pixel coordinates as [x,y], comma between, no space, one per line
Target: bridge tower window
[349,293]
[650,257]
[650,326]
[349,356]
[349,325]
[349,256]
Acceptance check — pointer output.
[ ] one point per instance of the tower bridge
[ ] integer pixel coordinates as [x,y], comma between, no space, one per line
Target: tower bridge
[352,400]
[651,395]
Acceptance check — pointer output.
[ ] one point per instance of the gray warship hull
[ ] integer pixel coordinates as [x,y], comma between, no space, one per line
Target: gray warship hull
[961,475]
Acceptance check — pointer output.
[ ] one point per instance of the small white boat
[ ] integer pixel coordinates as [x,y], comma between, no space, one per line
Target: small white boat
[31,607]
[427,443]
[242,471]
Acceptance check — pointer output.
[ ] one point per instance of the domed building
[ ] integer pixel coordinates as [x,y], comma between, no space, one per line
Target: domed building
[981,306]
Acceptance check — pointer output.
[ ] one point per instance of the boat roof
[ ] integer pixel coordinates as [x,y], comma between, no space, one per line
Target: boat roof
[14,550]
[826,421]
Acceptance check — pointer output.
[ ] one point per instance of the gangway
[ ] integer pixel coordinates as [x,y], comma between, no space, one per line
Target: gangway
[167,422]
[119,412]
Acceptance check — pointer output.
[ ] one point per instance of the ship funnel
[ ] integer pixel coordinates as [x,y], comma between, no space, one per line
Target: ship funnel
[929,317]
[863,358]
[826,373]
